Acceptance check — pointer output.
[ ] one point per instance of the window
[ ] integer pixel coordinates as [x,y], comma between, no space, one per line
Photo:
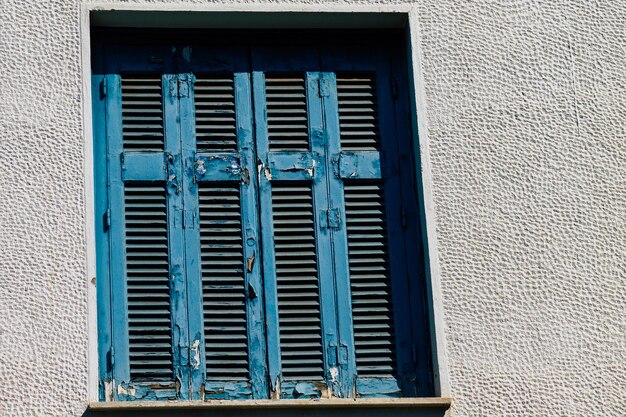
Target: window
[260,234]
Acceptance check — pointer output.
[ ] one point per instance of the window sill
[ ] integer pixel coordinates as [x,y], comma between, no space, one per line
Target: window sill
[336,403]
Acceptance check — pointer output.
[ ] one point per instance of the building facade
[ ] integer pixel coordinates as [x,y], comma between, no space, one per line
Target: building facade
[518,114]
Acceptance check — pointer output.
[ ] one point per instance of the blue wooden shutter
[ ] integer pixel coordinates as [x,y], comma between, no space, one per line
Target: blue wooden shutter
[222,195]
[368,250]
[331,178]
[334,188]
[298,277]
[365,114]
[145,237]
[368,234]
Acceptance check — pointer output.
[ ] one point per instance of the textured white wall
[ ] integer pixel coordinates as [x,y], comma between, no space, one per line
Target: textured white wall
[526,119]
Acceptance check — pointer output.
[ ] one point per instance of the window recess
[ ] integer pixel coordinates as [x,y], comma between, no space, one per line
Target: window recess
[259,236]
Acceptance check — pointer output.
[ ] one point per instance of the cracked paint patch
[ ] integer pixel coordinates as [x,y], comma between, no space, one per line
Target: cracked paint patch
[334,373]
[131,391]
[108,390]
[276,389]
[195,354]
[311,170]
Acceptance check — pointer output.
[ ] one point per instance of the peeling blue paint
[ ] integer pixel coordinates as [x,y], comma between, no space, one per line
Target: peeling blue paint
[232,390]
[359,165]
[326,259]
[306,390]
[251,236]
[378,387]
[145,392]
[219,167]
[291,165]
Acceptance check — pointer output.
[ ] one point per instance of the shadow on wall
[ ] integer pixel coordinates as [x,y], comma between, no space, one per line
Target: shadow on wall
[291,412]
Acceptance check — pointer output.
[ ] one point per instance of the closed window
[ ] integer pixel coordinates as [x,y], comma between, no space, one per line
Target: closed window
[260,234]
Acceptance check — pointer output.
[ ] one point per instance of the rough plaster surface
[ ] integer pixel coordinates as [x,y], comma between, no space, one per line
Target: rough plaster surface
[526,105]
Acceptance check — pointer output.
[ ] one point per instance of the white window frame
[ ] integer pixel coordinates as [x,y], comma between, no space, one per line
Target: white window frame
[260,15]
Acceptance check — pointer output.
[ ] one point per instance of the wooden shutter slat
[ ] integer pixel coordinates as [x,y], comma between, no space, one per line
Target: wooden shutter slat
[300,290]
[367,250]
[218,201]
[148,303]
[214,100]
[286,105]
[358,122]
[142,112]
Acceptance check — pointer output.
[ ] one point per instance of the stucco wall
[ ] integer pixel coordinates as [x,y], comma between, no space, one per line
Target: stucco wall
[526,122]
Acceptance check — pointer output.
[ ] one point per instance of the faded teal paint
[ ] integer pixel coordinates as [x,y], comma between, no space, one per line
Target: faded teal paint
[145,392]
[228,390]
[219,167]
[302,390]
[290,166]
[378,387]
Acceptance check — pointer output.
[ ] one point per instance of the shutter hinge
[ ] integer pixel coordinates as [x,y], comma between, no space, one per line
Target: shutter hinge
[103,88]
[106,220]
[330,219]
[324,87]
[394,88]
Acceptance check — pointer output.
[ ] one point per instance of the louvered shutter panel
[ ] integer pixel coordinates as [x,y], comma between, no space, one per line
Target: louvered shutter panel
[145,225]
[367,232]
[369,280]
[302,348]
[372,197]
[371,286]
[223,282]
[220,156]
[145,217]
[297,284]
[214,102]
[145,237]
[286,113]
[142,113]
[147,269]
